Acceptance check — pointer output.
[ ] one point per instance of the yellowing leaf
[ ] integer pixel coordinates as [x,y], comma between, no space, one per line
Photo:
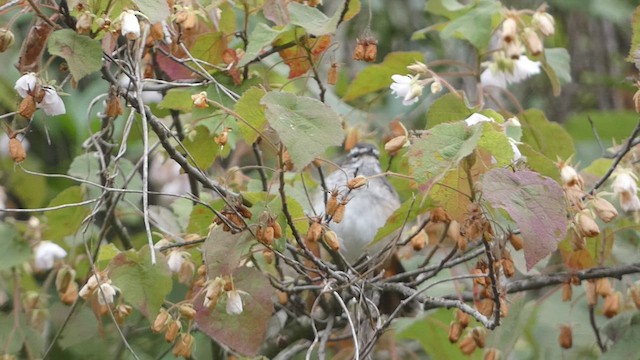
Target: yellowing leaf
[296,57]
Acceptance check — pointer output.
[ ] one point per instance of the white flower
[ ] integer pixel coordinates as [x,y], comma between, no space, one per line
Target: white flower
[436,87]
[477,118]
[568,174]
[46,253]
[234,303]
[407,88]
[505,72]
[544,22]
[130,26]
[88,288]
[106,293]
[176,259]
[26,83]
[52,103]
[625,186]
[517,155]
[213,290]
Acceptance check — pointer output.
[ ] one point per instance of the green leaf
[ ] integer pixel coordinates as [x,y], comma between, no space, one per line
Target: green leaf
[447,8]
[495,141]
[244,332]
[209,47]
[15,250]
[200,219]
[260,37]
[313,20]
[545,136]
[249,108]
[141,283]
[177,99]
[66,221]
[407,212]
[83,54]
[441,149]
[557,64]
[535,203]
[538,162]
[475,25]
[30,189]
[449,107]
[107,252]
[635,36]
[306,126]
[378,77]
[202,148]
[505,336]
[155,10]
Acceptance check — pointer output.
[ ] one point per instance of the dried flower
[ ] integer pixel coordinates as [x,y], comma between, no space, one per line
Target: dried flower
[586,224]
[533,42]
[46,253]
[394,145]
[176,259]
[16,150]
[106,293]
[509,29]
[604,210]
[625,186]
[200,100]
[6,39]
[566,337]
[455,330]
[611,306]
[407,88]
[357,182]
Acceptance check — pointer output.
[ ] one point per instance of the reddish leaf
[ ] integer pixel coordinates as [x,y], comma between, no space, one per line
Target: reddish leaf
[296,57]
[535,203]
[244,332]
[223,251]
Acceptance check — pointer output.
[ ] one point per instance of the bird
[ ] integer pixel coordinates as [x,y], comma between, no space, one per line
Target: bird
[367,207]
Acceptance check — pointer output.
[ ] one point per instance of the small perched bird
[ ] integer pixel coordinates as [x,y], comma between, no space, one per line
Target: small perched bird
[367,207]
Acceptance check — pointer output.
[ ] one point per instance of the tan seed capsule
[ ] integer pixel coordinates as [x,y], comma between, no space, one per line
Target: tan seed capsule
[160,323]
[533,42]
[586,224]
[566,337]
[603,287]
[371,50]
[504,309]
[419,241]
[6,39]
[604,210]
[567,292]
[331,239]
[486,307]
[508,268]
[260,233]
[478,335]
[590,293]
[467,345]
[635,296]
[183,346]
[516,241]
[357,182]
[611,305]
[352,138]
[394,145]
[358,52]
[636,100]
[338,215]
[332,203]
[455,330]
[277,230]
[71,295]
[314,231]
[492,354]
[27,107]
[268,256]
[16,150]
[509,29]
[187,311]
[332,76]
[244,212]
[463,318]
[267,236]
[283,298]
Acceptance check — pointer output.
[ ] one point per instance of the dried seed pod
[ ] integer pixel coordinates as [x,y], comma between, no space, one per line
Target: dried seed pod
[244,211]
[478,335]
[358,52]
[604,210]
[183,346]
[352,138]
[6,39]
[586,224]
[338,215]
[260,233]
[467,345]
[567,292]
[455,330]
[64,278]
[332,76]
[611,305]
[70,296]
[277,230]
[603,287]
[509,30]
[187,311]
[566,337]
[16,150]
[486,307]
[331,239]
[332,202]
[222,138]
[482,281]
[419,241]
[268,256]
[516,241]
[440,215]
[314,231]
[283,297]
[508,268]
[504,309]
[635,296]
[357,182]
[533,42]
[394,145]
[491,354]
[160,322]
[27,107]
[267,235]
[463,318]
[371,50]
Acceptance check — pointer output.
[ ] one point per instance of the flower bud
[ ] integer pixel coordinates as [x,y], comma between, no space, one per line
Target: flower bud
[604,210]
[418,68]
[543,22]
[533,42]
[6,39]
[357,182]
[509,30]
[16,150]
[566,337]
[586,224]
